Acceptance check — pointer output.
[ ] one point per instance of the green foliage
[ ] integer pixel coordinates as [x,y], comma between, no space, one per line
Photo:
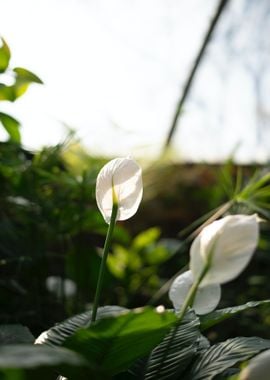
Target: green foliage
[171,357]
[4,56]
[11,125]
[45,218]
[57,335]
[119,345]
[111,345]
[136,264]
[224,355]
[21,79]
[217,316]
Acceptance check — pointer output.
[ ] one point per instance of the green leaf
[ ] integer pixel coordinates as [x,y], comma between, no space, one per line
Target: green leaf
[14,334]
[58,334]
[146,238]
[4,56]
[224,355]
[23,79]
[6,92]
[117,261]
[218,316]
[26,76]
[172,356]
[41,362]
[111,345]
[12,126]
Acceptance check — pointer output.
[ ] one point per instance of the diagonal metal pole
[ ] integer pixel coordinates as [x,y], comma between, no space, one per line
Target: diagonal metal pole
[193,71]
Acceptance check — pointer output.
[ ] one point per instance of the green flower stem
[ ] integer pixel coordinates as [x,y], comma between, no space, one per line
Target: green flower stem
[104,259]
[192,293]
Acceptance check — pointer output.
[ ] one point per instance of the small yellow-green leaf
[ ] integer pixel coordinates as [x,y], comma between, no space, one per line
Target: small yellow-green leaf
[23,78]
[145,238]
[12,126]
[6,92]
[4,56]
[117,261]
[26,76]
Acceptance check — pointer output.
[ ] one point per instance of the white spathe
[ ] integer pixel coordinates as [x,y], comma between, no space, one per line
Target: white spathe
[206,299]
[258,368]
[122,177]
[227,245]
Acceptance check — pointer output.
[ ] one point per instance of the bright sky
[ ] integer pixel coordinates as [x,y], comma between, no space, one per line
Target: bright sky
[113,70]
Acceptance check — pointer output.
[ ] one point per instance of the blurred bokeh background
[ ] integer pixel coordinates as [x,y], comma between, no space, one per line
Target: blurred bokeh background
[184,87]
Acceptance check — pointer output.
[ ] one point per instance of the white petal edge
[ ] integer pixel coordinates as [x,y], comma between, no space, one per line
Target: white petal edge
[125,175]
[206,300]
[233,239]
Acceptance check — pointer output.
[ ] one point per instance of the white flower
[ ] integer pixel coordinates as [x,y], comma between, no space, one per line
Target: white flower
[120,178]
[227,245]
[258,368]
[206,299]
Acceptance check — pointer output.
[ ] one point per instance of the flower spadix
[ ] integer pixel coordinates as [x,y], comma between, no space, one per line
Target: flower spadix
[119,182]
[206,299]
[226,247]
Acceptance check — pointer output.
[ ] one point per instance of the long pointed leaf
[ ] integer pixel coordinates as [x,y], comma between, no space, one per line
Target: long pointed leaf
[218,316]
[57,335]
[225,355]
[171,357]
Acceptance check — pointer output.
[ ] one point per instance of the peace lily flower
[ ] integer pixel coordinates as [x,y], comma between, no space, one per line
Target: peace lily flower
[258,368]
[120,182]
[206,299]
[225,247]
[118,193]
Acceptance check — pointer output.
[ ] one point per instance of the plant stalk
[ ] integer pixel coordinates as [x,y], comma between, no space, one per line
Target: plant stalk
[103,261]
[187,86]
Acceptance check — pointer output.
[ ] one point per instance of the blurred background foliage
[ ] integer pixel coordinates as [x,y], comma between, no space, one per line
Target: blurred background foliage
[52,234]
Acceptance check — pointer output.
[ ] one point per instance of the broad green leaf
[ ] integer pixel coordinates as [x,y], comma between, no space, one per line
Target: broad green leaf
[111,345]
[57,335]
[4,56]
[172,356]
[14,334]
[218,316]
[224,355]
[12,126]
[41,362]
